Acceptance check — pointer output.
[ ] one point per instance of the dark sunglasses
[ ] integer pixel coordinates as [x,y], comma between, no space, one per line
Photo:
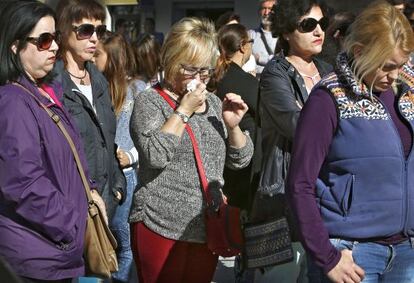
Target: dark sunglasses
[310,24]
[85,31]
[45,40]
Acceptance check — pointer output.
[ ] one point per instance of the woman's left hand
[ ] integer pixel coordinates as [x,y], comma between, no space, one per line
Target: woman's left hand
[234,109]
[122,158]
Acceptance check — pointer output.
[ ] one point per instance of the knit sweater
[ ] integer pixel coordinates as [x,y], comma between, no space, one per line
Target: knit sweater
[170,201]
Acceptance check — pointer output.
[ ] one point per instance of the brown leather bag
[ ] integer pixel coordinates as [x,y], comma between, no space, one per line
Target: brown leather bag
[100,244]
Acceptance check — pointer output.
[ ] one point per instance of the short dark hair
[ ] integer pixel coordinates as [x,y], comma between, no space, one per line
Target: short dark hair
[17,21]
[71,11]
[285,17]
[225,18]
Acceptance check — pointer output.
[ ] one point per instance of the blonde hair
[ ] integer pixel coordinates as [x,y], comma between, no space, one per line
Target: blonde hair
[375,33]
[191,41]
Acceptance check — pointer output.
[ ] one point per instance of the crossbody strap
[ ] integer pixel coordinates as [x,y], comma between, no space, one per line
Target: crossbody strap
[197,155]
[59,123]
[268,49]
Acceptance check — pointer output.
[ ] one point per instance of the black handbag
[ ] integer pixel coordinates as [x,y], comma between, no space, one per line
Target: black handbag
[267,239]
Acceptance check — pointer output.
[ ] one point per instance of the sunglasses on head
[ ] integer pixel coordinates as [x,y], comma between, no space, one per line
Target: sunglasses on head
[310,24]
[44,40]
[85,31]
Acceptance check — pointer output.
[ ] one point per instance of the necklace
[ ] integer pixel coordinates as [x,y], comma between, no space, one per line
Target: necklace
[79,78]
[313,78]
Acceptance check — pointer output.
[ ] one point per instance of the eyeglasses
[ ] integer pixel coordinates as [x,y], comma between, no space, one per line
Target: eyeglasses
[310,24]
[85,31]
[204,72]
[44,40]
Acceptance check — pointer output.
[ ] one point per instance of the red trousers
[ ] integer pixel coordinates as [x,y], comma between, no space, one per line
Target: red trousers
[160,260]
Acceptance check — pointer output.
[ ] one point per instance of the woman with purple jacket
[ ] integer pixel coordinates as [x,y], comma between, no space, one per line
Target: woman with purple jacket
[43,206]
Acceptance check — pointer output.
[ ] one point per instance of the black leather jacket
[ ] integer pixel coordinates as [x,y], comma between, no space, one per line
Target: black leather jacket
[282,95]
[97,131]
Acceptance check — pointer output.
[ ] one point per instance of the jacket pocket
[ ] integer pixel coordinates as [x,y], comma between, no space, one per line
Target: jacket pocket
[348,195]
[337,194]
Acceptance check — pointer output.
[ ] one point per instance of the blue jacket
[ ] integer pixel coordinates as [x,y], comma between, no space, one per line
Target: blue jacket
[366,182]
[43,207]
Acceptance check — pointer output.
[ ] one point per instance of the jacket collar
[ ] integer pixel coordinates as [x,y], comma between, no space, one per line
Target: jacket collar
[405,79]
[98,82]
[323,67]
[30,86]
[346,75]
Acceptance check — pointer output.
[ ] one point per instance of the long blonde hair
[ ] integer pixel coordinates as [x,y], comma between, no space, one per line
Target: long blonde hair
[374,35]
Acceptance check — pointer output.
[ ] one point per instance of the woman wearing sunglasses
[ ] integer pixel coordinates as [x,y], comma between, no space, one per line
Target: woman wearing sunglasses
[168,231]
[43,206]
[284,88]
[351,181]
[86,95]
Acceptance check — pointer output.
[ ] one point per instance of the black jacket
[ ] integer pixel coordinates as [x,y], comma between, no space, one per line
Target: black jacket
[282,96]
[97,132]
[237,186]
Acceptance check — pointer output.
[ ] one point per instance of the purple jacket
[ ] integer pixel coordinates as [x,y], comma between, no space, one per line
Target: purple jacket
[43,207]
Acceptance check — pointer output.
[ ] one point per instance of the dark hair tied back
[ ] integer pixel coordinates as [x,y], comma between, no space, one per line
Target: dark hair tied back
[230,39]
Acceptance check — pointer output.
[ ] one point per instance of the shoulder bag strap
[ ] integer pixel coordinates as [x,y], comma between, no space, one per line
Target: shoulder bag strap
[268,49]
[57,121]
[197,155]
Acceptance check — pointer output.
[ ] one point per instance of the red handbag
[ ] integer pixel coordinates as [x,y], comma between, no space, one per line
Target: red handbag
[223,226]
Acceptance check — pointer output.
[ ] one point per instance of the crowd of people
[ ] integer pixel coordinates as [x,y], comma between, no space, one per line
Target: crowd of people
[309,117]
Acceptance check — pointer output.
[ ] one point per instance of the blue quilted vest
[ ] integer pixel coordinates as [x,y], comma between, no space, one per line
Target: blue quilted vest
[366,185]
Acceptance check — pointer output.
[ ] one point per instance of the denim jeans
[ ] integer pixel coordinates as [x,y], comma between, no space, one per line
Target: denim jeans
[120,228]
[381,263]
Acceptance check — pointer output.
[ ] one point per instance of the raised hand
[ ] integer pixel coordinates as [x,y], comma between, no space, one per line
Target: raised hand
[191,101]
[234,109]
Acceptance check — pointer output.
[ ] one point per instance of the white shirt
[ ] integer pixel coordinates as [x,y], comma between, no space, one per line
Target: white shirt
[86,90]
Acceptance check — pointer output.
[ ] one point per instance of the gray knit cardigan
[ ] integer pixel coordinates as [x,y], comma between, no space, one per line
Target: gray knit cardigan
[170,201]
